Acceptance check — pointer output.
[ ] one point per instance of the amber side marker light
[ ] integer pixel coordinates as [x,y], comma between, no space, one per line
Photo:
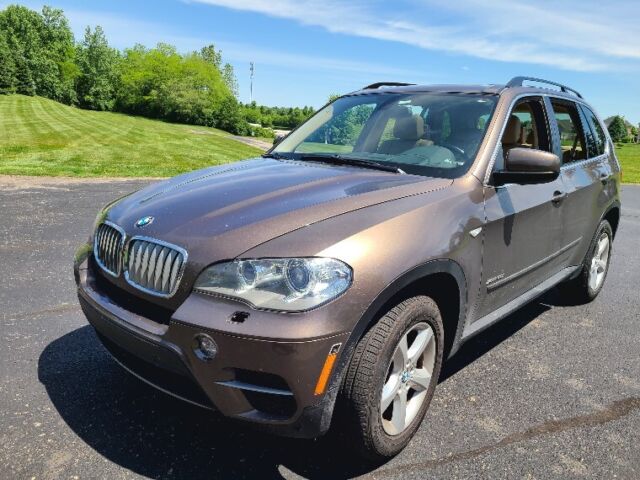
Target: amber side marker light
[321,386]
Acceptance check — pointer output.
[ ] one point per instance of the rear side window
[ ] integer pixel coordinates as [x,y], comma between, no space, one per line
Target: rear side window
[572,138]
[595,138]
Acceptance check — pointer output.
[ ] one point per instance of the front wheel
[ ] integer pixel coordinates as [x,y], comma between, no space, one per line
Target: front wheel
[593,272]
[391,378]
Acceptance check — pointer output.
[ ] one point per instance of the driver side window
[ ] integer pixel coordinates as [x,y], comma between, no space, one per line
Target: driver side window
[526,128]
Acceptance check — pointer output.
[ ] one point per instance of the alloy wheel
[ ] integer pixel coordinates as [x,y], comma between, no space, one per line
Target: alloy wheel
[408,378]
[599,262]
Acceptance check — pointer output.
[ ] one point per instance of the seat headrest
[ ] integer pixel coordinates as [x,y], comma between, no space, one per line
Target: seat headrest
[409,128]
[513,131]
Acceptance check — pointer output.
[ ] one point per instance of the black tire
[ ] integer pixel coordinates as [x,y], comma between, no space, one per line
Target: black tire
[359,406]
[578,290]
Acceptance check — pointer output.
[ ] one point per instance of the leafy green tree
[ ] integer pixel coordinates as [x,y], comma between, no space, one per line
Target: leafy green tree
[229,77]
[98,65]
[43,51]
[59,45]
[211,55]
[25,83]
[7,67]
[161,83]
[214,57]
[21,30]
[618,129]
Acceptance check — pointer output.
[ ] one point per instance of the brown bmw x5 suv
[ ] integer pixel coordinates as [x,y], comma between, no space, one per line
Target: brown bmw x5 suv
[332,276]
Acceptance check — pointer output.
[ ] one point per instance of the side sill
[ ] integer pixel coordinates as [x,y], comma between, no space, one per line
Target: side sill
[488,320]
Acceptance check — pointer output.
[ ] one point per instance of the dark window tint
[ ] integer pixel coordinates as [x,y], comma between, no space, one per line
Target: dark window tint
[592,147]
[570,127]
[596,137]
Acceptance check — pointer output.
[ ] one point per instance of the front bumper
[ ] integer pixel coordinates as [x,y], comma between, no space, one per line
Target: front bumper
[266,381]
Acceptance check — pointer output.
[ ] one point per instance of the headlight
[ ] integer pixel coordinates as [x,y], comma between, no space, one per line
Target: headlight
[291,284]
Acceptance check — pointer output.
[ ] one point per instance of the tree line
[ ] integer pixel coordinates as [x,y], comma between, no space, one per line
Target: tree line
[276,117]
[39,56]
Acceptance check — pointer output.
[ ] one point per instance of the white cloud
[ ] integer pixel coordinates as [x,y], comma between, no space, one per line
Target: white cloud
[572,35]
[247,53]
[124,32]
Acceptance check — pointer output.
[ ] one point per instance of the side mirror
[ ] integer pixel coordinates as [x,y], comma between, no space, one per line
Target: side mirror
[528,166]
[278,138]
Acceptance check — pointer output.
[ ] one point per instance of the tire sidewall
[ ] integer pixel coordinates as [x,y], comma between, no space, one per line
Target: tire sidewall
[384,443]
[603,227]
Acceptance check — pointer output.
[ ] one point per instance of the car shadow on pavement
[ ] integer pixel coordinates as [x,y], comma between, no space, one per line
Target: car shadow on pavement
[493,336]
[155,435]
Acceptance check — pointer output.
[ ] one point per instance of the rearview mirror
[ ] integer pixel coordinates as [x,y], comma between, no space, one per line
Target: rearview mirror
[527,166]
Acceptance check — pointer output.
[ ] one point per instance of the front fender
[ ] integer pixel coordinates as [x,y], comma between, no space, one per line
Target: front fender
[379,306]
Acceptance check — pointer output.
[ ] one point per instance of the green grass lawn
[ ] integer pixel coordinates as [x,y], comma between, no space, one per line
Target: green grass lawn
[43,137]
[629,156]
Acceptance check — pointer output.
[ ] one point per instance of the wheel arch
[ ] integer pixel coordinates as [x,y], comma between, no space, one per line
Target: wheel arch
[435,278]
[612,215]
[432,278]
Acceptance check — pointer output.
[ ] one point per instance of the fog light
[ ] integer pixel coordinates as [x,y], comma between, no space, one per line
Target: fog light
[204,347]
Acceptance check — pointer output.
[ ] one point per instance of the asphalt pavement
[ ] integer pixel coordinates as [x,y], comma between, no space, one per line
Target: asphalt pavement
[552,391]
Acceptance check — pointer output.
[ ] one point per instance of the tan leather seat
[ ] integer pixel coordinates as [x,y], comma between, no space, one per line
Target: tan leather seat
[408,132]
[512,136]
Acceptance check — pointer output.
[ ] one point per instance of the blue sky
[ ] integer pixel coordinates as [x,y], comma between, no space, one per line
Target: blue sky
[305,50]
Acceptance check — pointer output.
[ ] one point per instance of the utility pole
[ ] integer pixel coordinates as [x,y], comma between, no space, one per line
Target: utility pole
[251,71]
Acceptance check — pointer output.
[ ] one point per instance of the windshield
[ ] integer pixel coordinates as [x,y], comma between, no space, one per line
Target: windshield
[436,135]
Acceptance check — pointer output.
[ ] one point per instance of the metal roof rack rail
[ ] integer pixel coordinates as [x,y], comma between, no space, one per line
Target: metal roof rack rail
[517,82]
[387,84]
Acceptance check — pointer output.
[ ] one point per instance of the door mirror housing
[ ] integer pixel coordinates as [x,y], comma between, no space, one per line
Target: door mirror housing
[528,166]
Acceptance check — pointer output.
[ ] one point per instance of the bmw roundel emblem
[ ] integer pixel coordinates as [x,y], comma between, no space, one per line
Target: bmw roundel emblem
[144,221]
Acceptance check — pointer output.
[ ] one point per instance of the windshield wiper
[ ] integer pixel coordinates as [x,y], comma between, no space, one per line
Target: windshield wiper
[342,160]
[275,155]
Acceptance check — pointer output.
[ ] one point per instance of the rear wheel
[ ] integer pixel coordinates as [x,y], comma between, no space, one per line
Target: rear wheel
[593,272]
[391,378]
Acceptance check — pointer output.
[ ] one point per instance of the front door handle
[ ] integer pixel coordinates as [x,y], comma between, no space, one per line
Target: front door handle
[604,178]
[558,197]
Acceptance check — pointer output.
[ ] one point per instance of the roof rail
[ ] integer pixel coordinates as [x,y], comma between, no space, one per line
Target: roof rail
[517,82]
[387,84]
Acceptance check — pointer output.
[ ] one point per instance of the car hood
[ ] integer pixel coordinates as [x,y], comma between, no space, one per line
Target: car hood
[221,212]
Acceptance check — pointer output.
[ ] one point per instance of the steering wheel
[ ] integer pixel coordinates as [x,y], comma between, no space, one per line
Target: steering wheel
[455,148]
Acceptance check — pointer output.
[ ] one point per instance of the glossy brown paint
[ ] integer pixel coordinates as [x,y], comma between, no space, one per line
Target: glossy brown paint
[393,230]
[219,213]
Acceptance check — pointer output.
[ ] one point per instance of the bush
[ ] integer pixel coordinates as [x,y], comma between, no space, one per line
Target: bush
[261,132]
[161,83]
[230,117]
